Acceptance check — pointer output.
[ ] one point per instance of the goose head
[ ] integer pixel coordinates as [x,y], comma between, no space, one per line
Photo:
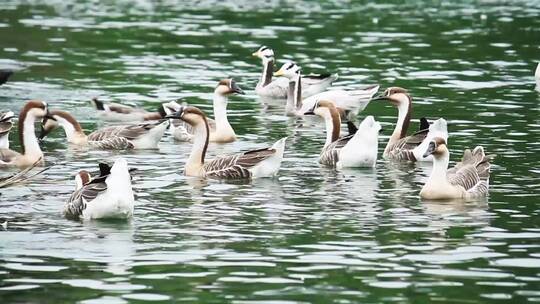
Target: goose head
[35,109]
[395,95]
[323,108]
[82,178]
[289,70]
[192,115]
[227,87]
[437,147]
[264,53]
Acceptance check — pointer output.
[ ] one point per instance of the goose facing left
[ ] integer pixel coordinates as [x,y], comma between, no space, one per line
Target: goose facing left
[252,164]
[31,152]
[467,179]
[136,136]
[358,149]
[116,112]
[277,88]
[6,123]
[109,195]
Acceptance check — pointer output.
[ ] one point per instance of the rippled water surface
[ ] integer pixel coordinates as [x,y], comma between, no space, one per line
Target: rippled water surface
[311,235]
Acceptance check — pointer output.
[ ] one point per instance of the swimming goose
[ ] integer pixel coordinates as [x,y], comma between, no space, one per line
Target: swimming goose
[407,148]
[252,164]
[358,149]
[6,124]
[137,136]
[31,152]
[4,76]
[122,113]
[467,179]
[221,130]
[107,196]
[312,84]
[353,101]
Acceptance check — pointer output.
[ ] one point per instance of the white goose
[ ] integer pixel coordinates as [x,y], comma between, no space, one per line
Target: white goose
[467,179]
[6,124]
[31,152]
[221,130]
[312,84]
[353,101]
[137,136]
[122,113]
[537,77]
[401,147]
[355,150]
[252,164]
[107,196]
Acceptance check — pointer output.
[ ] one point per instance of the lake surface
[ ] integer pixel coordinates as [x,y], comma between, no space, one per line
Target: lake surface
[311,235]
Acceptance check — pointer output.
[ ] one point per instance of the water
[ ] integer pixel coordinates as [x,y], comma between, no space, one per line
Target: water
[312,235]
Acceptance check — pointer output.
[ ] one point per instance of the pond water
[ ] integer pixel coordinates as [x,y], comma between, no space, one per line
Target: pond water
[311,235]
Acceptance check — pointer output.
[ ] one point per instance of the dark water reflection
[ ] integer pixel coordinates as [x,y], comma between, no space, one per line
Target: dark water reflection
[312,234]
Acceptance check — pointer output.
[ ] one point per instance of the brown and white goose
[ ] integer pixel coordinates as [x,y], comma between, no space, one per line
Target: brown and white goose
[31,152]
[137,136]
[467,179]
[252,164]
[401,147]
[6,123]
[122,113]
[221,130]
[277,88]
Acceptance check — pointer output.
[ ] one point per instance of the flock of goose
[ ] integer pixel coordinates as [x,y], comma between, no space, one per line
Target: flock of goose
[108,193]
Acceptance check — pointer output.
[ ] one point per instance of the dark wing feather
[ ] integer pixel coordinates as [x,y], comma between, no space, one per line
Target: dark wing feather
[112,143]
[78,201]
[4,76]
[236,166]
[330,154]
[403,149]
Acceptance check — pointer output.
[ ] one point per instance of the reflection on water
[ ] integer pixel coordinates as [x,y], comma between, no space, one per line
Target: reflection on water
[311,234]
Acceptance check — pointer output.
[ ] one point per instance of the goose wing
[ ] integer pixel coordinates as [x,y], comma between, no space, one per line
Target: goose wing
[330,154]
[78,201]
[472,173]
[236,166]
[403,149]
[129,132]
[112,143]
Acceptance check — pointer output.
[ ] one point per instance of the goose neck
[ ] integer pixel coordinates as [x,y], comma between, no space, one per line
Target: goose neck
[27,135]
[200,144]
[333,122]
[220,112]
[267,73]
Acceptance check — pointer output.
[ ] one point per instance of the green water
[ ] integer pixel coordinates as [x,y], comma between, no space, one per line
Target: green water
[312,235]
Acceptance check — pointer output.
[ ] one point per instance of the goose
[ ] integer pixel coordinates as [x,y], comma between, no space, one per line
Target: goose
[537,77]
[4,76]
[312,84]
[221,130]
[252,164]
[467,179]
[401,147]
[122,113]
[107,196]
[137,136]
[353,101]
[6,124]
[21,176]
[359,149]
[31,152]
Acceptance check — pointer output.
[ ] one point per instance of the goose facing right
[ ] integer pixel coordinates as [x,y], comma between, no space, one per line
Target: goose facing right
[467,179]
[109,195]
[355,150]
[6,123]
[277,88]
[251,164]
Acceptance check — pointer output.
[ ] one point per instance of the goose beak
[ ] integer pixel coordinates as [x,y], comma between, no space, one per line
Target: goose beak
[43,133]
[380,97]
[236,89]
[255,54]
[279,73]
